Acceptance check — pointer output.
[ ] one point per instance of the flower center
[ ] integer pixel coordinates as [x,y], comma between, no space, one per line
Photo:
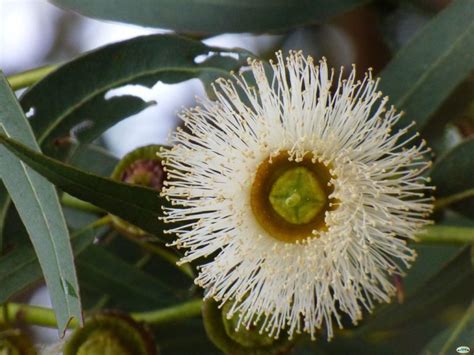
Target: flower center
[297,195]
[289,199]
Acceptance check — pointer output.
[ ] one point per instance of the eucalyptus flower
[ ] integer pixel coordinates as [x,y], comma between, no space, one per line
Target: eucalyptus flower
[296,195]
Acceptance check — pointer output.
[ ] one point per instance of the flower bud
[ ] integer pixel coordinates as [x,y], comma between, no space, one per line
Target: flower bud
[225,335]
[111,333]
[141,166]
[14,342]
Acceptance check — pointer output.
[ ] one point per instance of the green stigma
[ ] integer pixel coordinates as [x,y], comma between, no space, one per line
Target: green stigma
[297,196]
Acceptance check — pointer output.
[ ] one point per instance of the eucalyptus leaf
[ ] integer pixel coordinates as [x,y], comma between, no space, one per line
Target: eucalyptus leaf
[93,159]
[80,109]
[456,274]
[460,334]
[90,158]
[14,231]
[452,174]
[170,338]
[424,72]
[406,328]
[430,261]
[138,205]
[207,16]
[104,272]
[38,206]
[4,203]
[167,272]
[19,269]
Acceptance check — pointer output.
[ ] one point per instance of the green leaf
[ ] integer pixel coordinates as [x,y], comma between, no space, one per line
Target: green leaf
[4,203]
[79,87]
[38,206]
[460,334]
[429,295]
[170,338]
[208,16]
[430,261]
[451,286]
[94,159]
[20,268]
[406,328]
[423,73]
[103,272]
[452,174]
[138,205]
[168,272]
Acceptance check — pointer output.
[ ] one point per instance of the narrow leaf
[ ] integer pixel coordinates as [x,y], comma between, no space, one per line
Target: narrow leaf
[406,328]
[94,159]
[139,205]
[38,206]
[4,203]
[452,174]
[207,16]
[430,296]
[20,268]
[102,271]
[450,340]
[432,64]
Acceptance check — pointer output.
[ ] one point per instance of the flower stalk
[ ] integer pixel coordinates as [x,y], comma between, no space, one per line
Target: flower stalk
[30,77]
[73,202]
[42,316]
[446,235]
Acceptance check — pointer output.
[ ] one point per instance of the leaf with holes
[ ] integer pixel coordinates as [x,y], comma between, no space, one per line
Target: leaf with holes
[79,87]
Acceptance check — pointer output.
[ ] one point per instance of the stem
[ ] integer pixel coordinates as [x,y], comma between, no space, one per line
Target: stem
[73,202]
[446,235]
[36,315]
[444,202]
[179,312]
[29,77]
[100,222]
[45,317]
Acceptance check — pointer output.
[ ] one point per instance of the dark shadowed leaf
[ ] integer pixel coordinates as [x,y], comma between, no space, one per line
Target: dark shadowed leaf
[453,173]
[406,328]
[37,203]
[170,338]
[4,203]
[138,205]
[429,295]
[93,159]
[460,334]
[104,272]
[207,16]
[20,268]
[423,73]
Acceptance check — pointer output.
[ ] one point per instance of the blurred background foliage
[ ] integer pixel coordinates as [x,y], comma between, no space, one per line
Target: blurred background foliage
[88,109]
